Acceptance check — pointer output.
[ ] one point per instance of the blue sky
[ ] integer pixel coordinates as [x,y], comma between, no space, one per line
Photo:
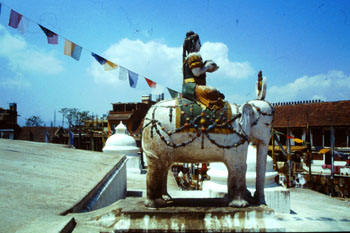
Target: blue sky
[302,47]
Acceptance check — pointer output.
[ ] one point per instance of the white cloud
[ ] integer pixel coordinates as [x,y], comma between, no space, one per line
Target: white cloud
[218,52]
[26,58]
[163,64]
[17,82]
[334,85]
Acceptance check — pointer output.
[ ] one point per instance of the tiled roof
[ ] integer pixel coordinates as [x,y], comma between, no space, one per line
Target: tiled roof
[316,114]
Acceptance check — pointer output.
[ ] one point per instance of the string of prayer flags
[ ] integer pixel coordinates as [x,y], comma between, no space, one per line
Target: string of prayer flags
[15,19]
[72,50]
[151,83]
[173,93]
[133,77]
[52,38]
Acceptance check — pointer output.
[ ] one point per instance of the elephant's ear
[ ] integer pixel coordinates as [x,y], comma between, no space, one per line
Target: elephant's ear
[247,118]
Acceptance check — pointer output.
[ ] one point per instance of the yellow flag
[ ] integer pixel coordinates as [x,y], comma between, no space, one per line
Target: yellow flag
[297,140]
[109,65]
[324,151]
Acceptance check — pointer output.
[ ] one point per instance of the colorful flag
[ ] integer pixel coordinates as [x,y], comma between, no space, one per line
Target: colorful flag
[71,138]
[52,38]
[151,83]
[123,73]
[133,77]
[109,65]
[298,140]
[324,151]
[15,19]
[72,50]
[99,59]
[23,25]
[0,8]
[173,93]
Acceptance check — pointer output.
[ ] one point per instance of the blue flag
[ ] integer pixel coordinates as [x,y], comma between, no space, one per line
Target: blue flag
[98,58]
[0,8]
[133,77]
[71,138]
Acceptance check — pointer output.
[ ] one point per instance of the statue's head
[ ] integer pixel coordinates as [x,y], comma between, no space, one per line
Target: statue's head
[192,43]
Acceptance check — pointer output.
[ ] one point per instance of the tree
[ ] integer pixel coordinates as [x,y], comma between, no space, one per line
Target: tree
[34,121]
[74,116]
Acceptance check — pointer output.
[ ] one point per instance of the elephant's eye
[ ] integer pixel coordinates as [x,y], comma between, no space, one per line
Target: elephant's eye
[267,124]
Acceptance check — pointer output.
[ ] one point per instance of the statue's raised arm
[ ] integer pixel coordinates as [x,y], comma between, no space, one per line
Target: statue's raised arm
[194,74]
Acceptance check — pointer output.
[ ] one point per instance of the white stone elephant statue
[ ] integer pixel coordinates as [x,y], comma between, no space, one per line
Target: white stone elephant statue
[164,144]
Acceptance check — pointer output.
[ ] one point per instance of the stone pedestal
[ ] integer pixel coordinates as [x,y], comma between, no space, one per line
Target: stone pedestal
[183,215]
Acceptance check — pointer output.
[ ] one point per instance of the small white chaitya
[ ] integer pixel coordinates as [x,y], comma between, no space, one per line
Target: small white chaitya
[122,143]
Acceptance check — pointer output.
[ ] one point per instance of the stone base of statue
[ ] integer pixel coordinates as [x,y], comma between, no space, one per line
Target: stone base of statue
[182,215]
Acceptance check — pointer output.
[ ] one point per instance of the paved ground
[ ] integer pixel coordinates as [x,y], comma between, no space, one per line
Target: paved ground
[314,211]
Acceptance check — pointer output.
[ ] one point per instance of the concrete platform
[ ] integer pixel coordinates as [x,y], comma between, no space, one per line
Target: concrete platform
[42,180]
[183,215]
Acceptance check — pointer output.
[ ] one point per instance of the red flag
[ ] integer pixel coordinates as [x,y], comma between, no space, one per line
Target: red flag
[151,83]
[290,137]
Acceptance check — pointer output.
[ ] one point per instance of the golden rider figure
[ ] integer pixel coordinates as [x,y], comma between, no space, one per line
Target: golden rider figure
[194,74]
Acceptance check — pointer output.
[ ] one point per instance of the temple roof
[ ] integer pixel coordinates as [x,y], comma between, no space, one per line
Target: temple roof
[316,114]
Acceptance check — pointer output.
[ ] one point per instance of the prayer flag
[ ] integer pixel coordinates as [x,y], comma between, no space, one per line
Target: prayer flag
[324,151]
[71,138]
[98,58]
[133,77]
[173,93]
[298,140]
[0,8]
[23,25]
[123,73]
[72,50]
[52,38]
[290,137]
[15,19]
[109,65]
[151,83]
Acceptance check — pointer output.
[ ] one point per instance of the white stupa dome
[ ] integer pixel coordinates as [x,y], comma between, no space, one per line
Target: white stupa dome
[120,142]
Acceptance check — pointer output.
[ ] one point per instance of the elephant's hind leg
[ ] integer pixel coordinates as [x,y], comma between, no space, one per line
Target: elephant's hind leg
[165,194]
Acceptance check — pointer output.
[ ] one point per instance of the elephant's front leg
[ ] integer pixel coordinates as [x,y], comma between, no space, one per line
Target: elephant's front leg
[155,183]
[261,155]
[237,189]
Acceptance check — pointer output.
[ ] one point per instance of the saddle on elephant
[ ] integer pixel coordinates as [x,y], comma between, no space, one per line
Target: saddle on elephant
[192,116]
